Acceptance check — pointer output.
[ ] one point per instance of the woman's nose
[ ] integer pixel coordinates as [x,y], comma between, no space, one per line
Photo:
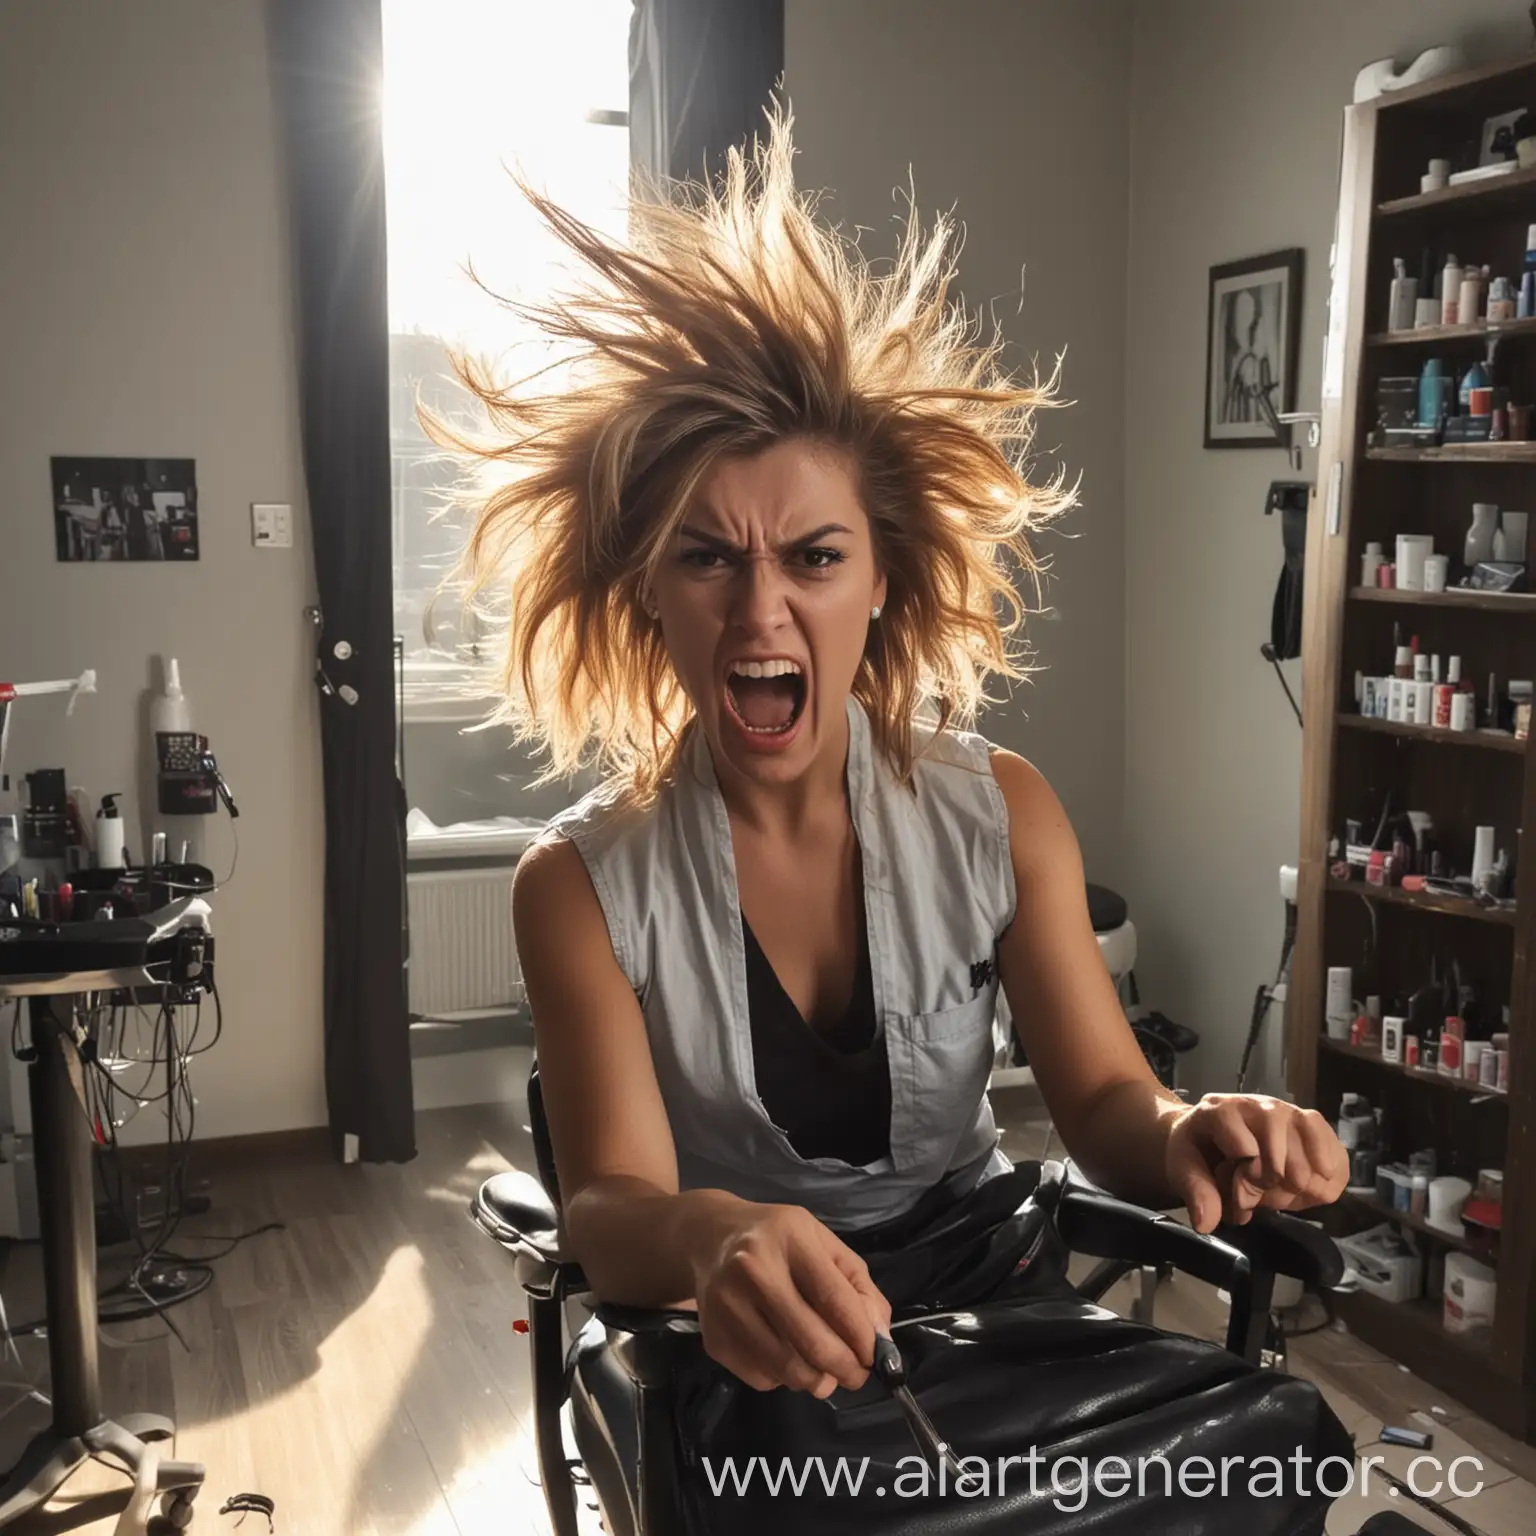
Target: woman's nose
[758,594]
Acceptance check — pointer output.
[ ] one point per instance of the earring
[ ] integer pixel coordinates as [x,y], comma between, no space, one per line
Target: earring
[874,612]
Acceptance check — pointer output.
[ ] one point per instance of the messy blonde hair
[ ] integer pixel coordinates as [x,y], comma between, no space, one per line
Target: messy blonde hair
[729,320]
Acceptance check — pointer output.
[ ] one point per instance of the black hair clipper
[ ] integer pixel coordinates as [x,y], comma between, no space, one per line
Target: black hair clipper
[892,1370]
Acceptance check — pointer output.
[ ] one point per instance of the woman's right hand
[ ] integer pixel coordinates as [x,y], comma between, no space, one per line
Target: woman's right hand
[783,1301]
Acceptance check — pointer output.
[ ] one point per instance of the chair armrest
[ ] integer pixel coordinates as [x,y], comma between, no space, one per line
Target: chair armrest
[512,1208]
[646,1319]
[1102,1227]
[1273,1242]
[1287,1245]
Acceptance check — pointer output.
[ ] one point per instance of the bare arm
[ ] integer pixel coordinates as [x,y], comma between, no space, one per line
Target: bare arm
[1111,1112]
[1221,1157]
[625,1220]
[781,1299]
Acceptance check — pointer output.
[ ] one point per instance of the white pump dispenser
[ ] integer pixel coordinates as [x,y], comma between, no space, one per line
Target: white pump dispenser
[170,711]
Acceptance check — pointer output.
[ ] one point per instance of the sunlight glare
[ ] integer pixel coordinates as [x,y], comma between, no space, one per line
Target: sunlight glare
[473,88]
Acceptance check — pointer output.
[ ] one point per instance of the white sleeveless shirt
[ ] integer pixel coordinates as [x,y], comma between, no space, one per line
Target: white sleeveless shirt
[938,893]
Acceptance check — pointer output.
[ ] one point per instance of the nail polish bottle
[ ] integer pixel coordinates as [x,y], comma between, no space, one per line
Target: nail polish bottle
[1445,694]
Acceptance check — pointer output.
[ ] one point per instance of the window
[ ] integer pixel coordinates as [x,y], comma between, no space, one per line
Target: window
[473,89]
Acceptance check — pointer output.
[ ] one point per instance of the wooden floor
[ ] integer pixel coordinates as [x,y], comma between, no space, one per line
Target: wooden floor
[360,1366]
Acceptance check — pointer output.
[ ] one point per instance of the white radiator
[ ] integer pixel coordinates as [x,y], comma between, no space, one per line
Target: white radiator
[463,959]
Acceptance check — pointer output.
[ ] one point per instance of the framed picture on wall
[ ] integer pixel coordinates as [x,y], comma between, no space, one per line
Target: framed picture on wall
[1253,319]
[125,509]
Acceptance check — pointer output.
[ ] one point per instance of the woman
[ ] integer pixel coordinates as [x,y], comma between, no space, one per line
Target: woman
[755,555]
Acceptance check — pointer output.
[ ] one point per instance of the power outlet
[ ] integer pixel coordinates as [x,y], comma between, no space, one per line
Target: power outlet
[271,525]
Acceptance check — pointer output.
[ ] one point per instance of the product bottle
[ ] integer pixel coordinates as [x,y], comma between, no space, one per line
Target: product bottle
[1434,392]
[1469,308]
[1445,693]
[1423,691]
[1418,1199]
[1525,306]
[1429,1048]
[1476,377]
[1400,687]
[170,711]
[1501,301]
[1450,291]
[1426,309]
[1464,707]
[1403,297]
[110,835]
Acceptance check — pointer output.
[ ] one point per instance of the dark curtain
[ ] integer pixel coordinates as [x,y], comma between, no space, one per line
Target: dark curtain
[700,74]
[328,63]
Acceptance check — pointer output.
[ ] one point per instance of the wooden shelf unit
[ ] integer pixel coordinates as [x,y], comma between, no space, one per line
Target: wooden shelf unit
[1461,780]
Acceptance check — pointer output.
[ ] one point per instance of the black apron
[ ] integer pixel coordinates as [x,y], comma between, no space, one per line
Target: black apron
[1021,1367]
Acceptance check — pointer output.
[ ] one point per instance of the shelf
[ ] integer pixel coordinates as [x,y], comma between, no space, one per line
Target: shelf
[1511,192]
[1408,1330]
[1372,1058]
[1392,480]
[1458,453]
[1488,740]
[1455,597]
[1424,901]
[1369,1205]
[1440,335]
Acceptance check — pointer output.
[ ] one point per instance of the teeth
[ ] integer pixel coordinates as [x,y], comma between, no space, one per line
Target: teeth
[765,669]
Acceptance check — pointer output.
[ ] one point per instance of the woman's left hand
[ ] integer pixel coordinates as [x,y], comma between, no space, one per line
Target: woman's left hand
[1232,1152]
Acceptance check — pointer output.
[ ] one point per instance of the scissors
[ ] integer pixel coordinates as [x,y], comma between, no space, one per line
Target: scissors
[893,1372]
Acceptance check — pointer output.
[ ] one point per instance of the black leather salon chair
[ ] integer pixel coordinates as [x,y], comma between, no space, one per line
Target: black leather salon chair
[623,1355]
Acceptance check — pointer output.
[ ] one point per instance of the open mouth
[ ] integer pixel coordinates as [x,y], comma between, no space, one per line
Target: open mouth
[766,697]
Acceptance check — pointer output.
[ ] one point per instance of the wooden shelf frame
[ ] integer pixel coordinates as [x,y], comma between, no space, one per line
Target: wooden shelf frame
[1434,1080]
[1369,1205]
[1515,604]
[1387,137]
[1457,453]
[1492,195]
[1487,741]
[1449,335]
[1425,901]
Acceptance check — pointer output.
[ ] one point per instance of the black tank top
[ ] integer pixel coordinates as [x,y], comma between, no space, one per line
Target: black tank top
[828,1090]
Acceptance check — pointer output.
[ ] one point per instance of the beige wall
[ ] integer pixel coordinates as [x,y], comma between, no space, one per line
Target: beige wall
[146,303]
[975,97]
[1235,135]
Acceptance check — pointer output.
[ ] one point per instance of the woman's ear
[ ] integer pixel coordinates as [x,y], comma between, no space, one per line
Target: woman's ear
[877,598]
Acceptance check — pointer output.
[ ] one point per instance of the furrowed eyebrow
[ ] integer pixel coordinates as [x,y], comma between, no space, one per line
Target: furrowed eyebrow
[725,547]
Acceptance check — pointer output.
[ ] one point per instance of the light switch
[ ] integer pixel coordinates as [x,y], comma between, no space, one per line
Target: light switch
[271,525]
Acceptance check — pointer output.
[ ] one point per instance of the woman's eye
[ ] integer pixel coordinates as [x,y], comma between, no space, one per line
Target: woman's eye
[700,559]
[821,558]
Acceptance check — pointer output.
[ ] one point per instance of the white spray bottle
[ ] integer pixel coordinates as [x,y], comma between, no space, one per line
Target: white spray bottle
[169,711]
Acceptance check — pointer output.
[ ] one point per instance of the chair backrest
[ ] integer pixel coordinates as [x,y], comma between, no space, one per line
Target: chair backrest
[543,1151]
